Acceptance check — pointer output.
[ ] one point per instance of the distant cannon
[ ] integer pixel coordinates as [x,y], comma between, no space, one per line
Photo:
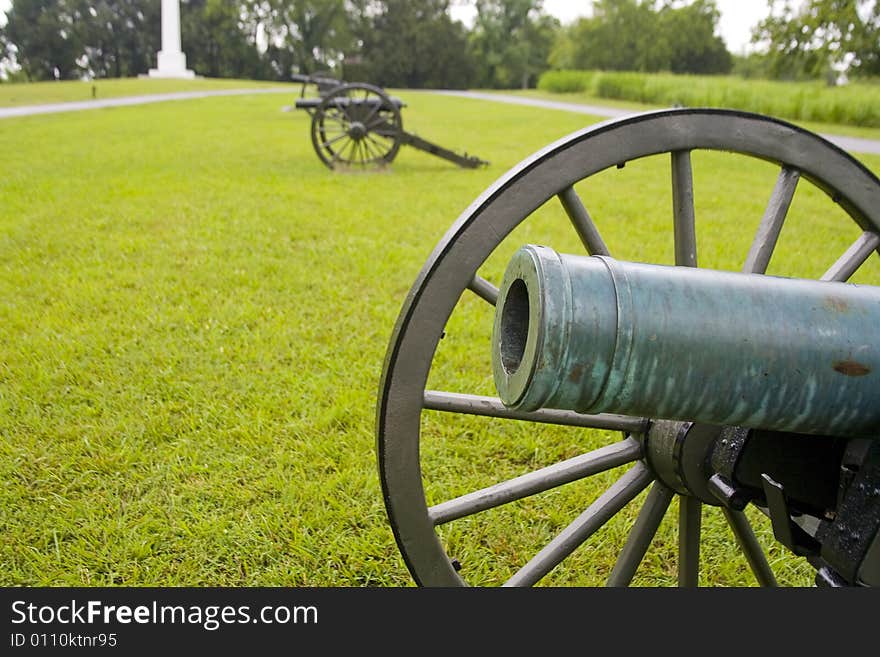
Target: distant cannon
[355,124]
[730,388]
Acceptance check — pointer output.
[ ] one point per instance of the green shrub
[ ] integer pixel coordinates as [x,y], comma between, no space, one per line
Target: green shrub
[855,104]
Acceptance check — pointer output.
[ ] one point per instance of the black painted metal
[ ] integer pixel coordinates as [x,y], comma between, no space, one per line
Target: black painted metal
[807,466]
[827,578]
[324,83]
[727,493]
[846,540]
[466,161]
[787,532]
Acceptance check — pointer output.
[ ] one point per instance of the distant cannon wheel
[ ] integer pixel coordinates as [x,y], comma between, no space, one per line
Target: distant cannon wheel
[356,125]
[412,417]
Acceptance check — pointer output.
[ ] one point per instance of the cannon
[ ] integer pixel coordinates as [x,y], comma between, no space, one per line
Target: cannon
[355,124]
[744,397]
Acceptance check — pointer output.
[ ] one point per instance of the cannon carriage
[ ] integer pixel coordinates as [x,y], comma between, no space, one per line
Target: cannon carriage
[736,390]
[355,124]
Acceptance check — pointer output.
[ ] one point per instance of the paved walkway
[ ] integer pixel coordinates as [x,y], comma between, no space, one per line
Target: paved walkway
[595,110]
[27,110]
[850,144]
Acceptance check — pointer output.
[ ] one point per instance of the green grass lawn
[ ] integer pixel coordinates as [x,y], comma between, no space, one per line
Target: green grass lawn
[193,323]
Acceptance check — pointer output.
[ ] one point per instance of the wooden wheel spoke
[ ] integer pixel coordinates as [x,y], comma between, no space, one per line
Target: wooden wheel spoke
[854,257]
[345,109]
[690,512]
[380,122]
[451,402]
[337,155]
[484,289]
[750,547]
[382,148]
[579,467]
[609,503]
[365,156]
[374,110]
[641,535]
[770,227]
[582,222]
[683,209]
[367,153]
[351,144]
[332,141]
[364,152]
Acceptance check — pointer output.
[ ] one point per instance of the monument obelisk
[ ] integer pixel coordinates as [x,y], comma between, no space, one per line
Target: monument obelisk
[171,62]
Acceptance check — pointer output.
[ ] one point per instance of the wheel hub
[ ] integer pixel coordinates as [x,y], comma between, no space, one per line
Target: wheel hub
[357,130]
[678,453]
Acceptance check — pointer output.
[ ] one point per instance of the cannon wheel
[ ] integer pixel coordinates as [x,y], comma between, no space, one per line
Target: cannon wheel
[452,270]
[356,125]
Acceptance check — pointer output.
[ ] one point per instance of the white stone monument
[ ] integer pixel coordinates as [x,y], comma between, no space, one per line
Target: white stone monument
[171,61]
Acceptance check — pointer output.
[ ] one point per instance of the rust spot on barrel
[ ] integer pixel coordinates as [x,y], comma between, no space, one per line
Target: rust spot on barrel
[851,368]
[836,305]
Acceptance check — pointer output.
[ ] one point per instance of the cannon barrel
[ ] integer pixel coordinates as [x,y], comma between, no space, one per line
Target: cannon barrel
[597,335]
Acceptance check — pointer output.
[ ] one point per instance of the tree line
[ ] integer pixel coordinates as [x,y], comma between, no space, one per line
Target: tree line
[417,43]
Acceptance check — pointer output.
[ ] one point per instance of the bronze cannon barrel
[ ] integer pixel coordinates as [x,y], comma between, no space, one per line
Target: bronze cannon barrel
[597,335]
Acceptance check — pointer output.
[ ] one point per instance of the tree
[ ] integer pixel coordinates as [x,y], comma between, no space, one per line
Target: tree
[216,41]
[303,36]
[754,65]
[119,38]
[821,37]
[638,35]
[689,35]
[511,41]
[622,35]
[415,44]
[40,36]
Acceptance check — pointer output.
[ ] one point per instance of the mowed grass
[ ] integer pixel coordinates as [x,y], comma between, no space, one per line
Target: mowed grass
[194,318]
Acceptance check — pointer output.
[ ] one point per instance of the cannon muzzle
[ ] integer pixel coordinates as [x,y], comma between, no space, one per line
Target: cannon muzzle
[597,335]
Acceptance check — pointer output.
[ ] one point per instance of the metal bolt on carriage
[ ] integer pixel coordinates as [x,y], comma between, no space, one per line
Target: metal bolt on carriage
[754,394]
